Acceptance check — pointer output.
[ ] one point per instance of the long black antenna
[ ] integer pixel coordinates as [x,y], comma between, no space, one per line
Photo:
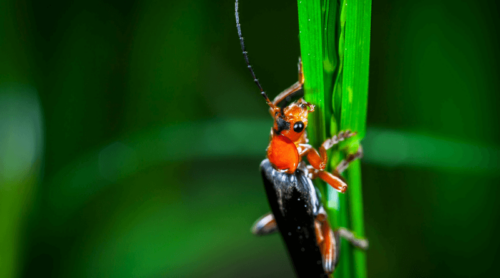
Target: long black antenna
[245,54]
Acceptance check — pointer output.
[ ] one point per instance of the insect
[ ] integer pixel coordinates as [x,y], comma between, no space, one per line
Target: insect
[297,212]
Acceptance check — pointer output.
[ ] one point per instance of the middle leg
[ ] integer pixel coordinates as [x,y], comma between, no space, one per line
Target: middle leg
[265,225]
[318,162]
[334,181]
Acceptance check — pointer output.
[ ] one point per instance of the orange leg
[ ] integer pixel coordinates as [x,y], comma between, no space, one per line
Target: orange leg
[327,244]
[319,233]
[319,160]
[292,89]
[265,225]
[329,247]
[316,160]
[333,181]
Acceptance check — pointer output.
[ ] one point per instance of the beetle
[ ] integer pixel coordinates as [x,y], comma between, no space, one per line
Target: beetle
[297,212]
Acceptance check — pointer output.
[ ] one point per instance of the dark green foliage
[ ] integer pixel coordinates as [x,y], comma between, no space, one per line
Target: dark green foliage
[133,132]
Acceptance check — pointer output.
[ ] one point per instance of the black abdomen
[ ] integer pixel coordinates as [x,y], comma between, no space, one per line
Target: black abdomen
[295,204]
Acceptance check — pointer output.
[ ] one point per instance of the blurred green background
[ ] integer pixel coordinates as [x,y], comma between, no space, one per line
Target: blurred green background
[131,134]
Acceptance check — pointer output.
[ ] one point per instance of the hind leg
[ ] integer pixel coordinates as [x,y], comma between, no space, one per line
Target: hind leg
[329,248]
[327,243]
[265,225]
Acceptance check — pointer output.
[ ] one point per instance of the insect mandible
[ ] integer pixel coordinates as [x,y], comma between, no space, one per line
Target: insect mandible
[297,212]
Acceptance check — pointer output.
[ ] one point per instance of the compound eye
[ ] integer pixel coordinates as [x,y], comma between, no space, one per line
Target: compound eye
[298,127]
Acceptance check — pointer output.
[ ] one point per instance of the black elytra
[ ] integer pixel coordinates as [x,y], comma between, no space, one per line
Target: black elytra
[295,204]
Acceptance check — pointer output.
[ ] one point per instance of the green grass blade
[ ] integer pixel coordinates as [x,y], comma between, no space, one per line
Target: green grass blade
[335,40]
[354,107]
[356,61]
[355,199]
[311,45]
[320,62]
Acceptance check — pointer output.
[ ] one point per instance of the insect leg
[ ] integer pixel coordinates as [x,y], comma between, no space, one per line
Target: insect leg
[292,89]
[334,181]
[350,158]
[349,236]
[265,225]
[319,160]
[335,139]
[319,233]
[328,244]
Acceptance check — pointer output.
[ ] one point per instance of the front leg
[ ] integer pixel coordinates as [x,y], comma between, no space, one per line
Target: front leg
[319,160]
[304,149]
[288,92]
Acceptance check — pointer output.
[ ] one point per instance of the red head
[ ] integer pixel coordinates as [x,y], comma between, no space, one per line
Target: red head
[291,121]
[289,127]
